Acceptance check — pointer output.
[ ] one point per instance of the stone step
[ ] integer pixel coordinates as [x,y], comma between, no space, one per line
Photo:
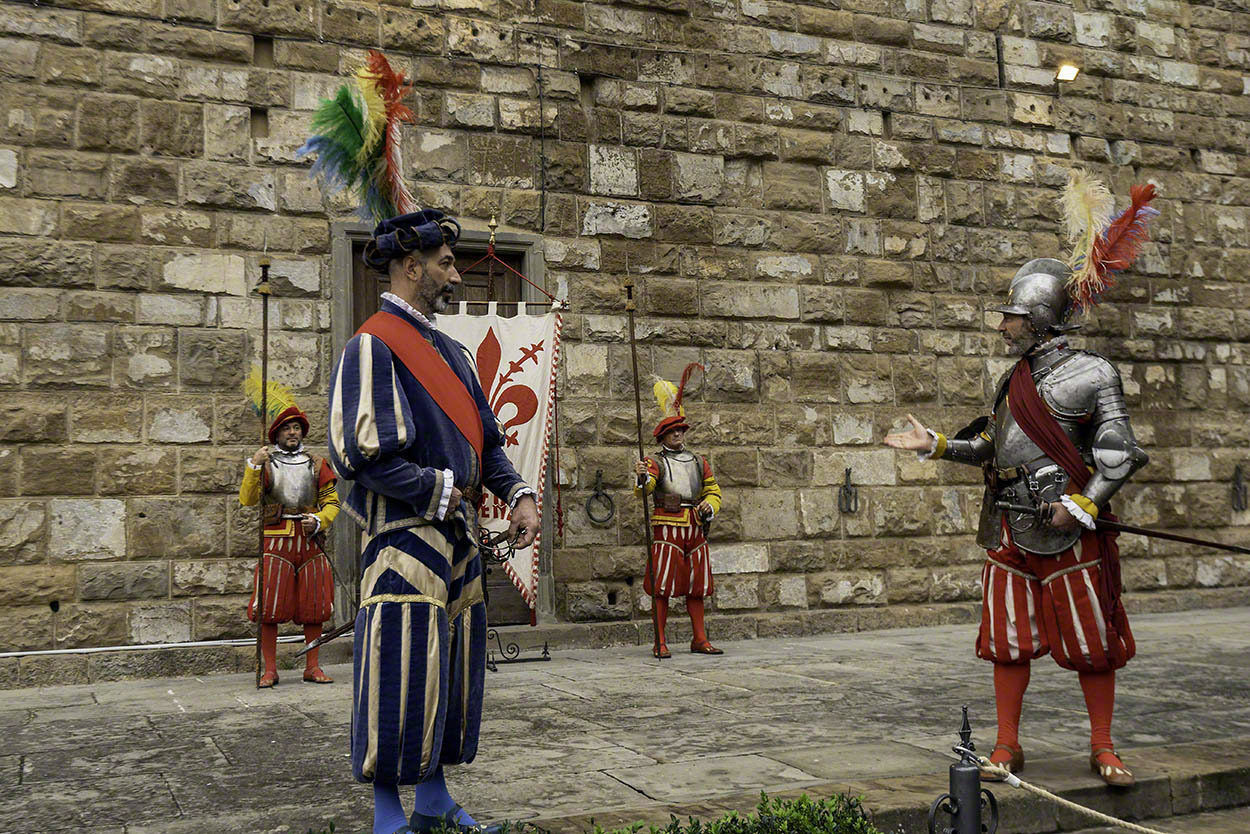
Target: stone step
[1230,821]
[1173,782]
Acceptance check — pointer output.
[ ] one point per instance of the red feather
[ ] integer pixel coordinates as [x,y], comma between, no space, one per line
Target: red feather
[681,388]
[393,87]
[1119,246]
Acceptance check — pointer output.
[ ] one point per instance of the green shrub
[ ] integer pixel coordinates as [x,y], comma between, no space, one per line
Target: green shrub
[837,815]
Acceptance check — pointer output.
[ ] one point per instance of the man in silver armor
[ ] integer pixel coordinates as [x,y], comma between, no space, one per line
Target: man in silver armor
[299,504]
[686,498]
[1058,442]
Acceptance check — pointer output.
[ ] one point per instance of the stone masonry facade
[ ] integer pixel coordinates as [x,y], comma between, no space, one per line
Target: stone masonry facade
[817,200]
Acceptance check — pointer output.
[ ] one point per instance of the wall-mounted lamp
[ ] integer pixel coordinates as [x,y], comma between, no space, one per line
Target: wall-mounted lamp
[1067,72]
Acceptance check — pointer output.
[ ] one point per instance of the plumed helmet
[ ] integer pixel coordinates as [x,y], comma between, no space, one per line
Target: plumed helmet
[1039,291]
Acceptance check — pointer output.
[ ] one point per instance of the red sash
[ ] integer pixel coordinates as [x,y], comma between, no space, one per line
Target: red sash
[1032,415]
[432,371]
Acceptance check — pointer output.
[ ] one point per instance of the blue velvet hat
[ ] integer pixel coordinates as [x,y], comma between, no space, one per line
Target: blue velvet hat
[405,233]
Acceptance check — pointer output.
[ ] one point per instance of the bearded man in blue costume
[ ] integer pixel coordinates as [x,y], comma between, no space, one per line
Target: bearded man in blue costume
[410,425]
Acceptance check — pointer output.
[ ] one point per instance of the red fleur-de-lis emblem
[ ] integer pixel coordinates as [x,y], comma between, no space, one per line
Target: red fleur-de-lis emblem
[498,392]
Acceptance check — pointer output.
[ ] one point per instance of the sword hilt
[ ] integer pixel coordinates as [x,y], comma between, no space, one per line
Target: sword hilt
[1042,511]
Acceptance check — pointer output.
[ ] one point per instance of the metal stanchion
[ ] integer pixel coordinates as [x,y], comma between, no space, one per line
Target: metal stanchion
[966,801]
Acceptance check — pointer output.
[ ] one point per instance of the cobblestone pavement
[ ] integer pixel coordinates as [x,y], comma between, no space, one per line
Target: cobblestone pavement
[614,735]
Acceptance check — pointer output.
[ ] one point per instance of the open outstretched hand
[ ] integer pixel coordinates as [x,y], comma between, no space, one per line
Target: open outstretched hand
[917,439]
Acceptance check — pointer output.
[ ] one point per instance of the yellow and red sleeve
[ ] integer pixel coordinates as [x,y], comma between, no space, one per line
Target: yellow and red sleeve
[711,490]
[249,490]
[648,486]
[327,497]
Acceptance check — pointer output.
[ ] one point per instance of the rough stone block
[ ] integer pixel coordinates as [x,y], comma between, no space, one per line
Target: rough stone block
[613,171]
[143,580]
[108,123]
[157,308]
[631,220]
[25,628]
[698,178]
[272,17]
[200,522]
[868,467]
[221,619]
[150,356]
[731,299]
[166,622]
[739,558]
[212,359]
[58,470]
[86,529]
[850,588]
[138,471]
[227,186]
[768,514]
[178,419]
[736,593]
[224,576]
[23,532]
[60,355]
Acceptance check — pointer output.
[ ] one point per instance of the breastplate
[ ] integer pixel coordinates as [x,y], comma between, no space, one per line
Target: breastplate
[1038,478]
[292,480]
[681,474]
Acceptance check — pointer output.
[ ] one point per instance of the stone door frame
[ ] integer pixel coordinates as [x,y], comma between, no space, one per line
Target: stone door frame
[344,234]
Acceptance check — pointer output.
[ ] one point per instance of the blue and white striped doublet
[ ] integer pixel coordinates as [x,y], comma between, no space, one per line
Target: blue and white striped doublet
[420,655]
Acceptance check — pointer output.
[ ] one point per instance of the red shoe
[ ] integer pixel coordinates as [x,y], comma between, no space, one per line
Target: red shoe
[315,675]
[661,651]
[268,680]
[705,647]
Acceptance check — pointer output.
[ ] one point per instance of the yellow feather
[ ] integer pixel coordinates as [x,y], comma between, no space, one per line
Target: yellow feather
[665,394]
[1087,207]
[374,109]
[280,396]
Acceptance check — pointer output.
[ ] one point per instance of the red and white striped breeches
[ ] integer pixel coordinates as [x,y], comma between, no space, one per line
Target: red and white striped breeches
[1037,604]
[299,583]
[679,562]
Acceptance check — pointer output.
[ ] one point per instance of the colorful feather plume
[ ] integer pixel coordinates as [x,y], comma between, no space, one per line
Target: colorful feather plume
[1101,245]
[670,396]
[665,395]
[356,139]
[280,397]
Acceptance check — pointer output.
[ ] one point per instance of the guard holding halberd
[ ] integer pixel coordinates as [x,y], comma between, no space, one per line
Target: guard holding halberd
[296,491]
[1055,448]
[686,498]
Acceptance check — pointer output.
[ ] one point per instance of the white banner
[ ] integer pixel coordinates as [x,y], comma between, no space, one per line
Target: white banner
[516,361]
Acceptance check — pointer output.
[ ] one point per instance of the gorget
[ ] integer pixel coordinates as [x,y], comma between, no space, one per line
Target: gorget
[292,478]
[681,474]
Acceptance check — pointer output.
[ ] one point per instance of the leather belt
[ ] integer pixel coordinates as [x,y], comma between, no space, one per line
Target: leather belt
[1009,474]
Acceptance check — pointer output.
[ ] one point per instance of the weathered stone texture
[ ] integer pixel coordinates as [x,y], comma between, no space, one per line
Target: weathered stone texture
[820,205]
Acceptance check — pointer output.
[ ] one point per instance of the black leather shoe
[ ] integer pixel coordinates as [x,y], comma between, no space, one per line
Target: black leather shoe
[422,824]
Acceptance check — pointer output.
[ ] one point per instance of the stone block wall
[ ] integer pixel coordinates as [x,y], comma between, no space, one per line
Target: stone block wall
[818,202]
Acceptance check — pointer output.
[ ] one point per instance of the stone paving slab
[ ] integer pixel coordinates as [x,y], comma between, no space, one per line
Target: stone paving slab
[612,735]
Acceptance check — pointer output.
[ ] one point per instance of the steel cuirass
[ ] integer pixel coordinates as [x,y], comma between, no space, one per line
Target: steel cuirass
[1082,391]
[293,479]
[681,474]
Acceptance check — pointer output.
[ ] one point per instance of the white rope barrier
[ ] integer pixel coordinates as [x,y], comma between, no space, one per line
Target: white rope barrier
[1011,779]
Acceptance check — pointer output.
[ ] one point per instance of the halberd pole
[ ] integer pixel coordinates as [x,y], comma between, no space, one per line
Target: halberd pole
[263,290]
[646,510]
